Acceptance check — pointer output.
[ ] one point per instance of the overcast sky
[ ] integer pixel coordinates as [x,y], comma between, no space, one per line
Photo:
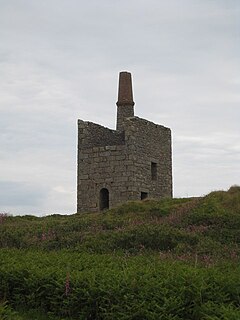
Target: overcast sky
[59,61]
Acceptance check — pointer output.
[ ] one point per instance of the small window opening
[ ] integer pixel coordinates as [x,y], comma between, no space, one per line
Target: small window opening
[144,195]
[104,199]
[154,170]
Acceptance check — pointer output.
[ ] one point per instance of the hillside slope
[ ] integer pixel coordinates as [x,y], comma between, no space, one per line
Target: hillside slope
[203,226]
[168,259]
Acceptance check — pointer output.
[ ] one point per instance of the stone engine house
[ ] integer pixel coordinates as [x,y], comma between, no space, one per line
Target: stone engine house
[133,162]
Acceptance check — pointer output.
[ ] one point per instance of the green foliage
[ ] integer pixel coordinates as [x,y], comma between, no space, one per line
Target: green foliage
[206,226]
[6,313]
[114,287]
[167,259]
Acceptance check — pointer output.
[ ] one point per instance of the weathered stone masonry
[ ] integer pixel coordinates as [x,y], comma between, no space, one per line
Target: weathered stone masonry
[131,163]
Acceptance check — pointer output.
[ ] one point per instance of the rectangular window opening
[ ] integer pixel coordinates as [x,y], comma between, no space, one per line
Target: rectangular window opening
[154,170]
[144,195]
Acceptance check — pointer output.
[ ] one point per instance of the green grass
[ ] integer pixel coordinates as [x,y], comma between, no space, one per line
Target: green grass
[167,259]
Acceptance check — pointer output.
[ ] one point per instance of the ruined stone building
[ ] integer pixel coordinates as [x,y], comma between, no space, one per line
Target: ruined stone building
[133,162]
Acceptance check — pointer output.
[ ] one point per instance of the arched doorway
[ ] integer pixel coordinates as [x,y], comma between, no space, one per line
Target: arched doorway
[104,199]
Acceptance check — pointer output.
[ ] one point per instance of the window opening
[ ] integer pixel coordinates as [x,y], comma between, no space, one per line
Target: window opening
[154,170]
[104,199]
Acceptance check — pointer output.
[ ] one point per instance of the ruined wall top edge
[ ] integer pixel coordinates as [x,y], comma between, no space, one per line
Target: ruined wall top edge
[94,135]
[83,124]
[142,121]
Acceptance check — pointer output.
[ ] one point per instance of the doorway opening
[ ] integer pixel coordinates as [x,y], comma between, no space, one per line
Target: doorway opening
[104,199]
[144,195]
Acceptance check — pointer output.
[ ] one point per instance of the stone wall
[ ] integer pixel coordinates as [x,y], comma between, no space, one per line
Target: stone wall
[102,160]
[103,167]
[130,163]
[123,112]
[121,162]
[149,143]
[92,135]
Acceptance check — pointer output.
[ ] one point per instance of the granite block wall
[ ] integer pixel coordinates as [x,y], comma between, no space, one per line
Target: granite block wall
[149,144]
[133,162]
[121,163]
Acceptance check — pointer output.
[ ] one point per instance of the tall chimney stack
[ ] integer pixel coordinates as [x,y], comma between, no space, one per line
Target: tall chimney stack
[125,103]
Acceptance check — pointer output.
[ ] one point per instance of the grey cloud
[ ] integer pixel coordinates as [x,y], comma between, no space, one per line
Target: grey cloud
[59,61]
[14,193]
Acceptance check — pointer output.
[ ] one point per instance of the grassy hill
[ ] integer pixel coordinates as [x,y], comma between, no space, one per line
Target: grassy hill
[168,259]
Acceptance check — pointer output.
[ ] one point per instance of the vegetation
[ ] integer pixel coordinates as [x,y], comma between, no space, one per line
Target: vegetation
[168,259]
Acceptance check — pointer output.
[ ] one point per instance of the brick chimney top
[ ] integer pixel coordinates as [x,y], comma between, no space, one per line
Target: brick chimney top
[125,92]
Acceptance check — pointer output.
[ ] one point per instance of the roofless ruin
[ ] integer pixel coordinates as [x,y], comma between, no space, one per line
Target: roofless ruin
[133,162]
